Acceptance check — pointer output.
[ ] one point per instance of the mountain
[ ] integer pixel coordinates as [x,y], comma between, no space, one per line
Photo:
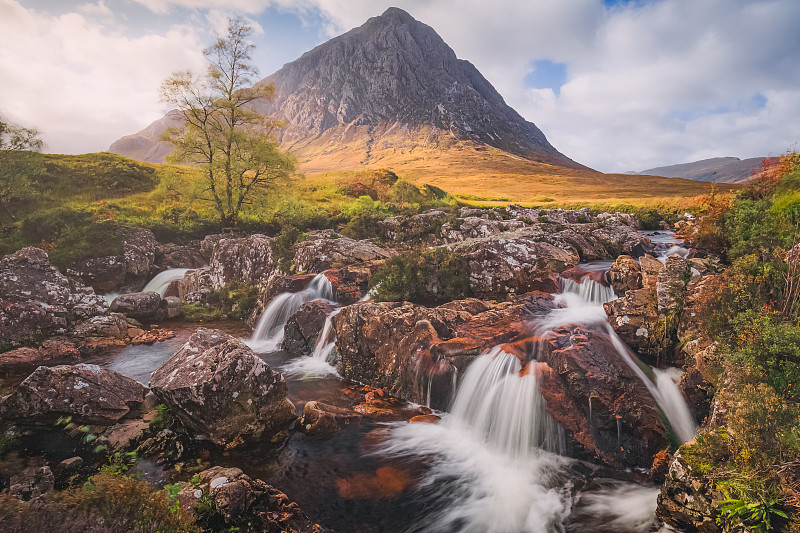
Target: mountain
[387,88]
[716,169]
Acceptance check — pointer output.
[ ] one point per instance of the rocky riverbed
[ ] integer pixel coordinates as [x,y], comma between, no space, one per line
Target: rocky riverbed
[531,405]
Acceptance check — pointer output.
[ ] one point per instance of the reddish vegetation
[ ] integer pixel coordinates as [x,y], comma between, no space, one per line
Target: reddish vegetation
[386,483]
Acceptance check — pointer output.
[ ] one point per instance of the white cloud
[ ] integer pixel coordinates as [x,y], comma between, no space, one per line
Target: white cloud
[652,83]
[100,9]
[80,80]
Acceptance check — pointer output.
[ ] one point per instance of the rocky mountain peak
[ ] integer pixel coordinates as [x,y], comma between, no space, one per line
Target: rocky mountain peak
[394,84]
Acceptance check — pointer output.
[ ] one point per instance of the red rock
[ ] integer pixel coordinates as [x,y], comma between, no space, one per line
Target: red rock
[57,350]
[425,419]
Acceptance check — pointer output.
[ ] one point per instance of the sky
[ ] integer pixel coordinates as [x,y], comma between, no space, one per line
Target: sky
[617,85]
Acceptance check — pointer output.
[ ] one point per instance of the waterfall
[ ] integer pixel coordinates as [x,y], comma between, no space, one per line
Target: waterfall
[489,465]
[504,408]
[268,334]
[160,283]
[591,291]
[683,423]
[318,364]
[580,310]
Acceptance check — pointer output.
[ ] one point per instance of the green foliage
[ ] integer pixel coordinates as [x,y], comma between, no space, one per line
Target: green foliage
[164,419]
[70,233]
[283,247]
[363,215]
[20,164]
[97,176]
[755,515]
[235,300]
[119,462]
[222,135]
[431,276]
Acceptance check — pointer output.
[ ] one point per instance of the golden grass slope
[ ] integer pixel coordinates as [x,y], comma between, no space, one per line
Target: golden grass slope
[481,173]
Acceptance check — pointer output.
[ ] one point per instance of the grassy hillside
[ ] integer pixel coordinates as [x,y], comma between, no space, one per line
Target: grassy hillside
[480,173]
[81,202]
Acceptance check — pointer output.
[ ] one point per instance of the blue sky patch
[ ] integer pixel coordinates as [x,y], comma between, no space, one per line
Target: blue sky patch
[547,75]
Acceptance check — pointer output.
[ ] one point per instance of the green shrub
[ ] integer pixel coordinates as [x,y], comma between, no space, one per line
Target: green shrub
[283,247]
[431,276]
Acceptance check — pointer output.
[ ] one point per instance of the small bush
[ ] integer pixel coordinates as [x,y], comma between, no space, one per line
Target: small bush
[428,277]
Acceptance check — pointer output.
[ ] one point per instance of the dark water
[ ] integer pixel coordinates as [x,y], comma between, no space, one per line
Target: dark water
[344,483]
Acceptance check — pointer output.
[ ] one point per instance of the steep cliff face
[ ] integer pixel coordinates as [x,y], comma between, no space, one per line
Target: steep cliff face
[390,86]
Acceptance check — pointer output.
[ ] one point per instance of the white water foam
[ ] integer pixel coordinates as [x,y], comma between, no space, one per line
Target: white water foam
[268,335]
[318,364]
[161,281]
[492,466]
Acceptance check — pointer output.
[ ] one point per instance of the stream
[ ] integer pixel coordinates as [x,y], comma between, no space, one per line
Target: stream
[495,463]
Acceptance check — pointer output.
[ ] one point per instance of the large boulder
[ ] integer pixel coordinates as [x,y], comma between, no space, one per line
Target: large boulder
[636,320]
[303,328]
[624,425]
[138,305]
[180,256]
[671,283]
[241,503]
[127,272]
[512,264]
[415,352]
[243,259]
[625,275]
[87,393]
[219,388]
[323,420]
[326,250]
[37,300]
[56,350]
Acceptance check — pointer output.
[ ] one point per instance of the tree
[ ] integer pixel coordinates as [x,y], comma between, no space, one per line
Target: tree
[223,135]
[20,162]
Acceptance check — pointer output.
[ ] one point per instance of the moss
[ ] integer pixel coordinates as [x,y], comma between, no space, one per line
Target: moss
[431,276]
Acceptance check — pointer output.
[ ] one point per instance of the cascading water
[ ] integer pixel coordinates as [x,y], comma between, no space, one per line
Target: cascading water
[582,310]
[318,364]
[268,334]
[491,466]
[161,282]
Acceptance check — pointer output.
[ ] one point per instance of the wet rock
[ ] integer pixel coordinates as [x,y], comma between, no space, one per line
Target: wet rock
[636,320]
[179,256]
[56,350]
[245,504]
[113,325]
[625,275]
[350,283]
[671,283]
[325,250]
[625,425]
[687,500]
[195,286]
[139,305]
[698,392]
[170,307]
[425,419]
[413,351]
[218,387]
[32,483]
[37,300]
[322,419]
[279,284]
[68,467]
[126,434]
[128,272]
[660,468]
[303,328]
[87,393]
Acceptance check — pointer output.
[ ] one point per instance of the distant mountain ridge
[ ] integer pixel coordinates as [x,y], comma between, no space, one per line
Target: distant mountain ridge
[388,90]
[716,169]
